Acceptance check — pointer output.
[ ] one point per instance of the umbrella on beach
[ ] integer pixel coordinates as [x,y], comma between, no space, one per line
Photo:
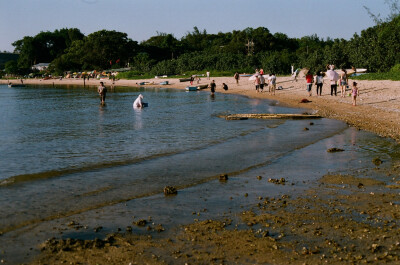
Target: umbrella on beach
[253,77]
[332,75]
[303,72]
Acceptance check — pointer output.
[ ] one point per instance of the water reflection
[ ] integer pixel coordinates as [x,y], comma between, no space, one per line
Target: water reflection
[138,123]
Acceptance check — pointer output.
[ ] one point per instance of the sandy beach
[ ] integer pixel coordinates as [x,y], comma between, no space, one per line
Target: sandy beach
[377,110]
[346,217]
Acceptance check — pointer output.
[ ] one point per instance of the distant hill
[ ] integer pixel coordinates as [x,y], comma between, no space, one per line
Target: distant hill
[5,57]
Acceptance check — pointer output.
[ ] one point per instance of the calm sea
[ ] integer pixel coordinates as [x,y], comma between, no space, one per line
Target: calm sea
[66,153]
[62,154]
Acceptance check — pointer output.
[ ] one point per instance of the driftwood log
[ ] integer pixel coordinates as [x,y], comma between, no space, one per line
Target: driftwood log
[269,116]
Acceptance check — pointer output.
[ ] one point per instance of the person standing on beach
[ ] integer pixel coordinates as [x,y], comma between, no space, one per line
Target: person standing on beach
[262,82]
[237,77]
[212,87]
[208,75]
[309,80]
[102,92]
[257,82]
[333,77]
[272,83]
[343,83]
[354,93]
[319,81]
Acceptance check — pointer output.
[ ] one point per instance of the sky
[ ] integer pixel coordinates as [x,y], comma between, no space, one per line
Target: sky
[142,19]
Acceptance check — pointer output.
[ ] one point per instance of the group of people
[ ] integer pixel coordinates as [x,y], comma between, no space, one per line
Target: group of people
[335,79]
[262,80]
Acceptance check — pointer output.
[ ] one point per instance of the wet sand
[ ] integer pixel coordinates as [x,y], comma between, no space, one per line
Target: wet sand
[339,218]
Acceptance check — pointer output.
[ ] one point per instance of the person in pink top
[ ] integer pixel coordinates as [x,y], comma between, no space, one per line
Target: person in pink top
[354,93]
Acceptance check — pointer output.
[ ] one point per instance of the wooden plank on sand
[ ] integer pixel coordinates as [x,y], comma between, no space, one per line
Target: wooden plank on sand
[269,116]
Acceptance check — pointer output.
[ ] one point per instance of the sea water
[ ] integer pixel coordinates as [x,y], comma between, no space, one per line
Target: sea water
[62,153]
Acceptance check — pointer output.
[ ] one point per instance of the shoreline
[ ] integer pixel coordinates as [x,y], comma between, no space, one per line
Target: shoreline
[261,227]
[377,110]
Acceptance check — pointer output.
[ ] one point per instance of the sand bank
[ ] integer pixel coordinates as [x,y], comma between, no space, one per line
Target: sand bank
[378,107]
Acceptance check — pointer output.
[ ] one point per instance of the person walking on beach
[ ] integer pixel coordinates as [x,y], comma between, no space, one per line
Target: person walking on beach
[343,83]
[319,81]
[354,93]
[237,77]
[309,80]
[212,87]
[102,92]
[272,83]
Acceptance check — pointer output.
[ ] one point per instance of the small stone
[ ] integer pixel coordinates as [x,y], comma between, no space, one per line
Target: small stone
[141,222]
[223,177]
[334,149]
[377,161]
[259,177]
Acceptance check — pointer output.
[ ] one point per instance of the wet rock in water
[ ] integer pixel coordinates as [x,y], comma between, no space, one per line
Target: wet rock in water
[334,149]
[377,161]
[259,177]
[360,185]
[159,228]
[305,129]
[311,123]
[223,177]
[97,229]
[140,222]
[281,181]
[169,190]
[129,228]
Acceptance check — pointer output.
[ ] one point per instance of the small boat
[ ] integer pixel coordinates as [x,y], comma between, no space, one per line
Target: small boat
[185,79]
[164,83]
[191,88]
[16,85]
[202,87]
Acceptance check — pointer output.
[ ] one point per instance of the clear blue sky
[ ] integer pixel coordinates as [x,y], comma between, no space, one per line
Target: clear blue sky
[141,19]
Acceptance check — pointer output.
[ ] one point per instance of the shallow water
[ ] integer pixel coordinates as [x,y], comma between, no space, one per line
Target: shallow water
[63,154]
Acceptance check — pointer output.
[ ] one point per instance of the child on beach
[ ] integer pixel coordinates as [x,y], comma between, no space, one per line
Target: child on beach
[354,93]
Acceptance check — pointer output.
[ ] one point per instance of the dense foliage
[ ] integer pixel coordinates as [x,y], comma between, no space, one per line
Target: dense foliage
[376,48]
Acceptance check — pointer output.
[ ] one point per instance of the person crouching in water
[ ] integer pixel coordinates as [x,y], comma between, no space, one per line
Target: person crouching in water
[224,86]
[354,93]
[102,92]
[138,103]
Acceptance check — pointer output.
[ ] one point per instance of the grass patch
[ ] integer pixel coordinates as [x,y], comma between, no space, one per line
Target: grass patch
[378,76]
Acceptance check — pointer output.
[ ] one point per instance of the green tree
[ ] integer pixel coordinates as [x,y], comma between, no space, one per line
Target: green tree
[11,67]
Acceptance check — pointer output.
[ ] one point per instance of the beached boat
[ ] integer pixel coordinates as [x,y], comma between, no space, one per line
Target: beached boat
[202,87]
[191,88]
[184,79]
[16,85]
[164,83]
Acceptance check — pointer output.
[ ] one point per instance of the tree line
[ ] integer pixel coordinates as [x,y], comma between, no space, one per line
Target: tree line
[377,48]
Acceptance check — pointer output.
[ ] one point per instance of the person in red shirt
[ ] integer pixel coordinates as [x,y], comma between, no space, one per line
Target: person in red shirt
[309,80]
